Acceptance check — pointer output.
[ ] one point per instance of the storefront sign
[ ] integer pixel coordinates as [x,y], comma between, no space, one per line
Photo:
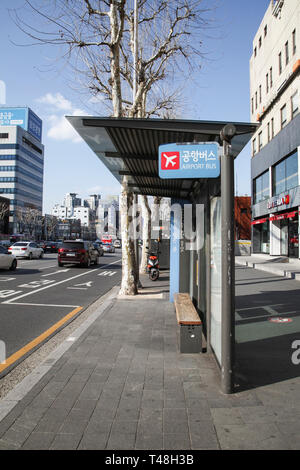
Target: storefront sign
[286,215]
[259,221]
[279,202]
[280,320]
[187,161]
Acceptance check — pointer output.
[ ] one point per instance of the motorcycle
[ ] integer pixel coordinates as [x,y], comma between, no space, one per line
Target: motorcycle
[153,266]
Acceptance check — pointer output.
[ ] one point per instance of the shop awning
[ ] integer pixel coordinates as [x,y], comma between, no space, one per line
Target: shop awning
[259,221]
[129,146]
[285,215]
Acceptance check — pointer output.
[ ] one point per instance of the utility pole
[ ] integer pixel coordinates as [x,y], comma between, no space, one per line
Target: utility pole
[228,274]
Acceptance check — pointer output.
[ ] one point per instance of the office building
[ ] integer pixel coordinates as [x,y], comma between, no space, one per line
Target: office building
[21,162]
[274,103]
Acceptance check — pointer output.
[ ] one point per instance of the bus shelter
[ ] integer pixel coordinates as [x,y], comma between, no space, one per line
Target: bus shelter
[205,270]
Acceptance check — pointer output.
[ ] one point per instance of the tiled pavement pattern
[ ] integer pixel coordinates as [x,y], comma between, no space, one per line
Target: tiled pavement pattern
[124,385]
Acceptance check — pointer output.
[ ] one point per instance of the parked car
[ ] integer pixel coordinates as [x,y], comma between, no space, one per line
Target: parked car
[26,250]
[50,247]
[117,244]
[7,261]
[99,247]
[109,247]
[5,243]
[77,252]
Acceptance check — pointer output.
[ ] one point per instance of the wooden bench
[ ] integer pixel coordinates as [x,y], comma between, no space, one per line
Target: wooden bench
[190,324]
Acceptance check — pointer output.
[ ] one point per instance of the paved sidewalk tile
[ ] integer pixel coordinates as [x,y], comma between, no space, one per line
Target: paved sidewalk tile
[124,385]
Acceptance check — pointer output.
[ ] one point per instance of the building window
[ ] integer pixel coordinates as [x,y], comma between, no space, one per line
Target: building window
[280,62]
[252,105]
[267,83]
[4,135]
[283,119]
[254,146]
[294,104]
[255,52]
[259,93]
[271,77]
[265,30]
[286,46]
[294,41]
[259,141]
[285,175]
[256,100]
[259,42]
[261,188]
[268,131]
[272,128]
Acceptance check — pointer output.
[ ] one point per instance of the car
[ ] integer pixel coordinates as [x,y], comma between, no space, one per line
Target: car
[109,247]
[77,252]
[26,250]
[50,247]
[7,261]
[99,247]
[117,244]
[5,243]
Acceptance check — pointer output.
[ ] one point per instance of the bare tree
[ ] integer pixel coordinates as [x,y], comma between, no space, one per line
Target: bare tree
[4,214]
[29,220]
[97,38]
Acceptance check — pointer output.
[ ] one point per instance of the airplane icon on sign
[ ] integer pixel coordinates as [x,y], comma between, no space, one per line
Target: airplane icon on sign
[170,159]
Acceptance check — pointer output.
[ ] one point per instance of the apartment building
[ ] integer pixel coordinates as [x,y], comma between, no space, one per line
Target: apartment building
[21,161]
[274,103]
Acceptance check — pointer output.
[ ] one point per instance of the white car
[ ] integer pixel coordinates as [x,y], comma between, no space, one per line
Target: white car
[7,261]
[26,250]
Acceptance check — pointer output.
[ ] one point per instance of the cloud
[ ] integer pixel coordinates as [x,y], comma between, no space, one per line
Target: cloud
[59,127]
[57,101]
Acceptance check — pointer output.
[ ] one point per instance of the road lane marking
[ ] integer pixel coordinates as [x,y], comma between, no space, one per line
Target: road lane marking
[59,282]
[108,273]
[56,272]
[8,292]
[35,284]
[37,341]
[6,279]
[44,305]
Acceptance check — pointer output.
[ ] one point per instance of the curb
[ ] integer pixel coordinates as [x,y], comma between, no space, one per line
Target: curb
[21,389]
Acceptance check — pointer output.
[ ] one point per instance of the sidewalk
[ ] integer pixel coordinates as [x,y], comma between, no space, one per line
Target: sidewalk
[122,384]
[277,265]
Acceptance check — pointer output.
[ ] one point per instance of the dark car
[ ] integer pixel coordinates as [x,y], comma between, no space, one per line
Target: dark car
[77,252]
[50,247]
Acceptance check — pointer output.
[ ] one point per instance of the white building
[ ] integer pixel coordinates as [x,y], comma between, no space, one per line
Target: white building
[274,103]
[71,200]
[21,160]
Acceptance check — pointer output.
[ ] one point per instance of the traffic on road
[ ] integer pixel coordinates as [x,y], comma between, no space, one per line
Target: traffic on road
[38,298]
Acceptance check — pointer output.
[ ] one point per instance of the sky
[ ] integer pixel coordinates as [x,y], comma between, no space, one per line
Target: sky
[219,92]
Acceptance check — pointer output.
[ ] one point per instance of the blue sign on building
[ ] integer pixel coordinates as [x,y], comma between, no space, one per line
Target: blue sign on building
[23,117]
[201,160]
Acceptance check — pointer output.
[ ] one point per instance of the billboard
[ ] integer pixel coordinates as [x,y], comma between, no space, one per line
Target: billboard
[195,160]
[23,117]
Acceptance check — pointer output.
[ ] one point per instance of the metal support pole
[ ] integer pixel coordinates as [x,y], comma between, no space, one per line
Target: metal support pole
[228,264]
[136,240]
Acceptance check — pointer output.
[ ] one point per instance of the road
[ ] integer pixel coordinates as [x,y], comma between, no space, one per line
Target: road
[39,298]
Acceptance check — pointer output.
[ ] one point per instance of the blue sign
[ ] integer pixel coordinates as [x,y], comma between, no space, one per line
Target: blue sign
[189,160]
[23,117]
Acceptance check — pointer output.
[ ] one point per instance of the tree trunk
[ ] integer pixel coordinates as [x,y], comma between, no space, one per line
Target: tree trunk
[129,279]
[146,214]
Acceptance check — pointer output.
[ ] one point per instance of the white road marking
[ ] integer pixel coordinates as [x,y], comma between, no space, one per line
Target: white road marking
[6,279]
[7,293]
[35,284]
[56,272]
[107,273]
[46,305]
[60,282]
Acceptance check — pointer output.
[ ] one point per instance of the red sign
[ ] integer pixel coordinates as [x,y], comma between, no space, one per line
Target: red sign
[259,221]
[170,160]
[280,320]
[279,202]
[286,215]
